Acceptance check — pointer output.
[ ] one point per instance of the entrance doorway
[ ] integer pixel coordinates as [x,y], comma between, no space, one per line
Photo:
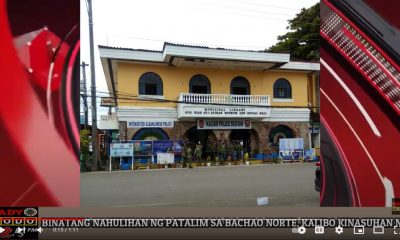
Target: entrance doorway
[203,136]
[238,135]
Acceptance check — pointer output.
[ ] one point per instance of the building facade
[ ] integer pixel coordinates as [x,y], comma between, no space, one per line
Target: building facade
[313,93]
[203,94]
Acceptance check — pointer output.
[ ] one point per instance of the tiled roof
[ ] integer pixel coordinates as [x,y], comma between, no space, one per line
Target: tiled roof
[218,48]
[187,45]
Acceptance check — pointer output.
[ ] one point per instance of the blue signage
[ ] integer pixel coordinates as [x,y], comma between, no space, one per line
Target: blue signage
[121,149]
[151,124]
[165,146]
[142,148]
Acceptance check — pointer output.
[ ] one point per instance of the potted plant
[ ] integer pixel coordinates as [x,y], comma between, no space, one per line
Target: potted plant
[222,150]
[208,161]
[246,158]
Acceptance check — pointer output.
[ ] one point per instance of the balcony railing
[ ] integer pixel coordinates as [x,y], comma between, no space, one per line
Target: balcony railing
[229,99]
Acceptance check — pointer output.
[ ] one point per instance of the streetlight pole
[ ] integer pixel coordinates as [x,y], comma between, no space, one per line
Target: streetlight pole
[93,88]
[84,95]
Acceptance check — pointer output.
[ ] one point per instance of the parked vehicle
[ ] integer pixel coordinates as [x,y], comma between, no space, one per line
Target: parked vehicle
[317,180]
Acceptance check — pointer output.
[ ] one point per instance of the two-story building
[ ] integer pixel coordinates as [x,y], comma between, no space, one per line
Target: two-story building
[201,93]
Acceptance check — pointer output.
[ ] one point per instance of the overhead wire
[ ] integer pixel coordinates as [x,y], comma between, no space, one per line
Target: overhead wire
[263,4]
[242,9]
[234,13]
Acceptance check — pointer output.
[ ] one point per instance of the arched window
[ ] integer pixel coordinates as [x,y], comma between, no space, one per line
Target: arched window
[199,84]
[240,86]
[150,84]
[282,89]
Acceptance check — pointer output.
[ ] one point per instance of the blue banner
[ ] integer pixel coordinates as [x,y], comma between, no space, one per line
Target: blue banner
[164,146]
[142,148]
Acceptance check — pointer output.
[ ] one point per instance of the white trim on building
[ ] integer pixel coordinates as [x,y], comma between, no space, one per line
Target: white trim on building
[130,54]
[222,54]
[151,97]
[171,50]
[302,66]
[289,115]
[290,100]
[125,113]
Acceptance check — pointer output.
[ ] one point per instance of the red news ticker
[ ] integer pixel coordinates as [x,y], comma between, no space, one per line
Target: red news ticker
[12,219]
[60,219]
[39,219]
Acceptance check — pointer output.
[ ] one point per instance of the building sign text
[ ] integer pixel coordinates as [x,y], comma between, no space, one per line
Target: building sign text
[223,111]
[223,124]
[151,124]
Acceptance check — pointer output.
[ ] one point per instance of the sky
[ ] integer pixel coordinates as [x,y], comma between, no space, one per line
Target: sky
[147,24]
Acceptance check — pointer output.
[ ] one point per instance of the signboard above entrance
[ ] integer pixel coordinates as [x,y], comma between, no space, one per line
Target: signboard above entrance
[151,124]
[223,124]
[188,110]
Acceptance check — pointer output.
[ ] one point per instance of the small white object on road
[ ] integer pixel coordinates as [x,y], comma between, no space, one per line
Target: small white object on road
[262,201]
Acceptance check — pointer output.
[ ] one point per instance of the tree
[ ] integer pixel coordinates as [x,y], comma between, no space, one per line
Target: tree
[84,150]
[302,41]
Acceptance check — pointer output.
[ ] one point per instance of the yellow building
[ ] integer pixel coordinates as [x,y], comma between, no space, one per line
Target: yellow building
[313,99]
[200,93]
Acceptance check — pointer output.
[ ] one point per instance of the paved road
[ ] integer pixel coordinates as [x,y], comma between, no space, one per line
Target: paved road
[228,186]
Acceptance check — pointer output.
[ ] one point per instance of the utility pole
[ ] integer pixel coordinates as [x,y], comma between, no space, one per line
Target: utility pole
[84,96]
[93,87]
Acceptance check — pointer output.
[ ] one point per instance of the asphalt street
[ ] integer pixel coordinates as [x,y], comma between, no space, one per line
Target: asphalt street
[289,184]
